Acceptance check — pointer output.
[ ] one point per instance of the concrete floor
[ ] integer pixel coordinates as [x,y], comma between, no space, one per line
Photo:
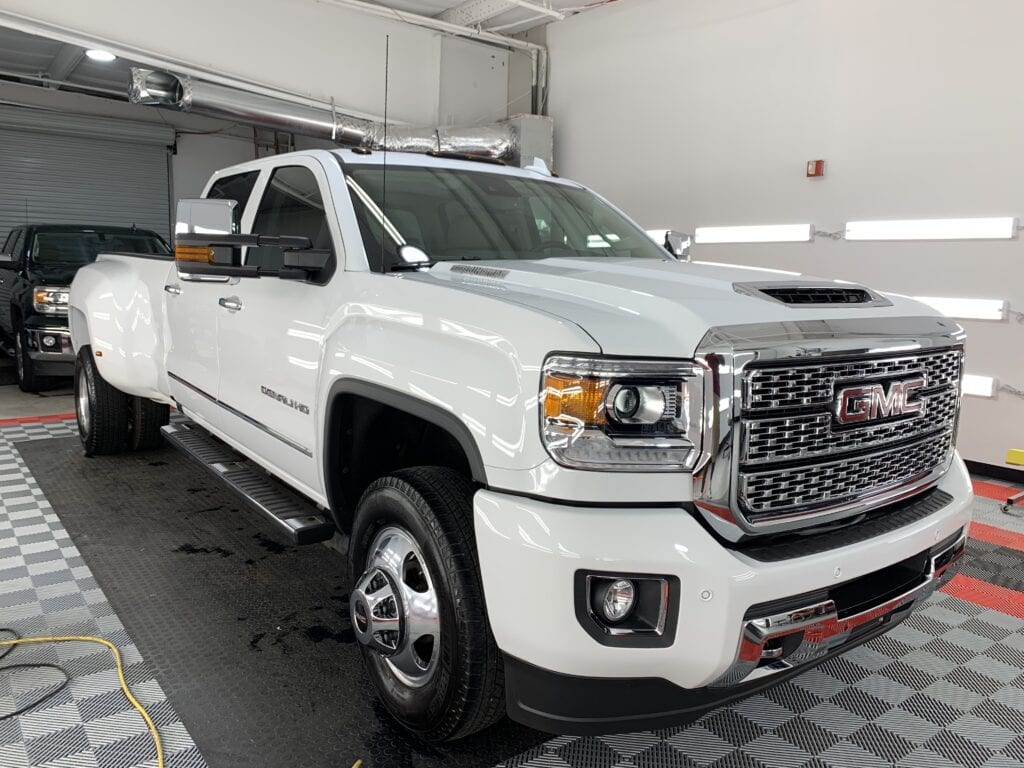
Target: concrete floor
[16,404]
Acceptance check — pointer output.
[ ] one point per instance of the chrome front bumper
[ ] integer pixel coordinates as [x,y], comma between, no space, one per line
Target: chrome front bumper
[779,641]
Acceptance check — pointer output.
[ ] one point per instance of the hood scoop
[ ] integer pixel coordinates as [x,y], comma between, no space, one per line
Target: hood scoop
[806,294]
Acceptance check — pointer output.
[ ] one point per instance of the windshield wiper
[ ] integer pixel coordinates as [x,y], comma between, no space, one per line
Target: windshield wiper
[411,267]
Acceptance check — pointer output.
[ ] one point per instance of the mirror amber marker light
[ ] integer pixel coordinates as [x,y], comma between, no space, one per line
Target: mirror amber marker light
[202,253]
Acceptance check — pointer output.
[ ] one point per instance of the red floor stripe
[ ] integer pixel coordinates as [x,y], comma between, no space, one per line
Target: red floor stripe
[998,536]
[37,419]
[992,490]
[987,595]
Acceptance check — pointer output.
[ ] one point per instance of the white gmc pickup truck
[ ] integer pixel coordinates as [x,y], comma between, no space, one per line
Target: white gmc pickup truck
[583,482]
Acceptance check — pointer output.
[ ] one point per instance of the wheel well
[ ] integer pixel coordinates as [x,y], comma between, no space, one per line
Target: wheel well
[369,434]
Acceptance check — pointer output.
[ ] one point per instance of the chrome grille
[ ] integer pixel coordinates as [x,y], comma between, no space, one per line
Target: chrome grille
[798,386]
[811,435]
[795,458]
[774,493]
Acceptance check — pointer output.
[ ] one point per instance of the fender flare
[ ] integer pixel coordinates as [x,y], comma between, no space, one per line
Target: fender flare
[400,401]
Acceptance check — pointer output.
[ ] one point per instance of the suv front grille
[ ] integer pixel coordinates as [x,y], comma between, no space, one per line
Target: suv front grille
[795,457]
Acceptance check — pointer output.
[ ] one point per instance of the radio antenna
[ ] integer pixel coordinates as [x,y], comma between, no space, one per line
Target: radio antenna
[384,162]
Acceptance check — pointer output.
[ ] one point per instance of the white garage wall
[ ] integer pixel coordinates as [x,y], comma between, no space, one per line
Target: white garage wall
[689,112]
[198,156]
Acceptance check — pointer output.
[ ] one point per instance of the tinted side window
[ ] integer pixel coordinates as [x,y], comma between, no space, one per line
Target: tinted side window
[291,205]
[237,187]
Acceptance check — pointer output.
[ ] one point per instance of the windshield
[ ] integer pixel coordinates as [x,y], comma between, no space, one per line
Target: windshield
[458,215]
[75,249]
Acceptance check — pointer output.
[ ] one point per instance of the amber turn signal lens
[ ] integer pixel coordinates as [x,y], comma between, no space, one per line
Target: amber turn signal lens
[201,253]
[575,399]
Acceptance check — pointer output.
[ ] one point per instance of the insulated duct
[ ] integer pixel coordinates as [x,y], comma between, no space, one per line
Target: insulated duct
[165,89]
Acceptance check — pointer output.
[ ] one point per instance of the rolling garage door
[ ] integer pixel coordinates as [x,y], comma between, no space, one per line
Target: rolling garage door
[57,168]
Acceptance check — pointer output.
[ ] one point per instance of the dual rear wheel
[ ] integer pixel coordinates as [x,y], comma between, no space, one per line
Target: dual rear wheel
[109,421]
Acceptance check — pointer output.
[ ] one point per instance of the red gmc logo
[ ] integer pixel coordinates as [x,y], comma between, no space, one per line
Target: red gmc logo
[867,403]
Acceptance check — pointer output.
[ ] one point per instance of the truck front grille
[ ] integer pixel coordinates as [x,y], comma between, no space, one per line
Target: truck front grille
[795,458]
[774,493]
[799,386]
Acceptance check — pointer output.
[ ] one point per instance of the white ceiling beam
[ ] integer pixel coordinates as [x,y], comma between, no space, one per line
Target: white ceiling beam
[63,63]
[474,12]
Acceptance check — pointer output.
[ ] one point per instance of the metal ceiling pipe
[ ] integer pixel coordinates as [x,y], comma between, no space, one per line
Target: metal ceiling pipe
[166,89]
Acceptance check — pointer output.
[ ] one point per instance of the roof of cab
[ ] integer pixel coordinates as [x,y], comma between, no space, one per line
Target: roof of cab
[360,156]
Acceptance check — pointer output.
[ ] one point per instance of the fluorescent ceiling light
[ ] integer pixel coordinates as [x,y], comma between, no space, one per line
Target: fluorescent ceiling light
[99,55]
[1002,228]
[967,309]
[979,386]
[766,233]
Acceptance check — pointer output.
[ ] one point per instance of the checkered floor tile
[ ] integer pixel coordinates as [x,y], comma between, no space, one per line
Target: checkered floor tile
[946,688]
[46,589]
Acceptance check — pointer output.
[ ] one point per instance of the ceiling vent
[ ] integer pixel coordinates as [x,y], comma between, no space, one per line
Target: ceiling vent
[814,294]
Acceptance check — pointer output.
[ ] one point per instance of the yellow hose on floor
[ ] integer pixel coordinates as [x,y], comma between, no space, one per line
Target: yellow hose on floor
[120,676]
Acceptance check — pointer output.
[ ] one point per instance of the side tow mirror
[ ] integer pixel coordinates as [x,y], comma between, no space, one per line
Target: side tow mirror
[678,244]
[205,217]
[6,258]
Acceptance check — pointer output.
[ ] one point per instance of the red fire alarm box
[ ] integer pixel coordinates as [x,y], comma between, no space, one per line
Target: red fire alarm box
[815,169]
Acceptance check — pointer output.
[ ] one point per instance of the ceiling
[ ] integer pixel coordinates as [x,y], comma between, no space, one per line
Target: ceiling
[41,61]
[504,16]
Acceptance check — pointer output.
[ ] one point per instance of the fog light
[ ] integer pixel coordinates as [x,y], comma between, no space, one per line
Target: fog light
[49,341]
[618,600]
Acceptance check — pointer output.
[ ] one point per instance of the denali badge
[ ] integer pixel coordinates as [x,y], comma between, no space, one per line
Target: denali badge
[304,409]
[866,403]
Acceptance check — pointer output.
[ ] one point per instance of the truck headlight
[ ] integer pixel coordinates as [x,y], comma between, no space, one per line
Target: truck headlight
[51,301]
[622,415]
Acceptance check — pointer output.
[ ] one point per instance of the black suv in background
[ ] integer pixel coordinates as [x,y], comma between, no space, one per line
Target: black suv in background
[37,264]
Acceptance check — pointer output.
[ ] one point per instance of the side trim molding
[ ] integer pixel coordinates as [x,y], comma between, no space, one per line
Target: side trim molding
[247,419]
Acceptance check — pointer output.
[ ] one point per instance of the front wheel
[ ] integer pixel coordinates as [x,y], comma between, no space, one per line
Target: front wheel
[102,410]
[417,605]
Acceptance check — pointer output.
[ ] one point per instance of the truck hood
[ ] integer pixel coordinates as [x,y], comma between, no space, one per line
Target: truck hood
[647,307]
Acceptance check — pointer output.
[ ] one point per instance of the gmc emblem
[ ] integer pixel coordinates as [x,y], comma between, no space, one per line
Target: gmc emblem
[867,403]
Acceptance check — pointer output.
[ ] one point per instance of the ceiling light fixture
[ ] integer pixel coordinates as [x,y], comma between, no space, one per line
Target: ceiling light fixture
[967,309]
[97,54]
[765,233]
[998,228]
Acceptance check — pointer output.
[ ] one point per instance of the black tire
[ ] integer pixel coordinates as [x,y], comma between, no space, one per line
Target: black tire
[28,379]
[103,412]
[466,693]
[146,419]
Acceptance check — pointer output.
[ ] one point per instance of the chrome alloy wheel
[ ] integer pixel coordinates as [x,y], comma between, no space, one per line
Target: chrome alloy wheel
[394,607]
[82,401]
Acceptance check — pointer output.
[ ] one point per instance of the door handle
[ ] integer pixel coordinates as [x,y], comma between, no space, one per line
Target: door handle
[230,302]
[174,290]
